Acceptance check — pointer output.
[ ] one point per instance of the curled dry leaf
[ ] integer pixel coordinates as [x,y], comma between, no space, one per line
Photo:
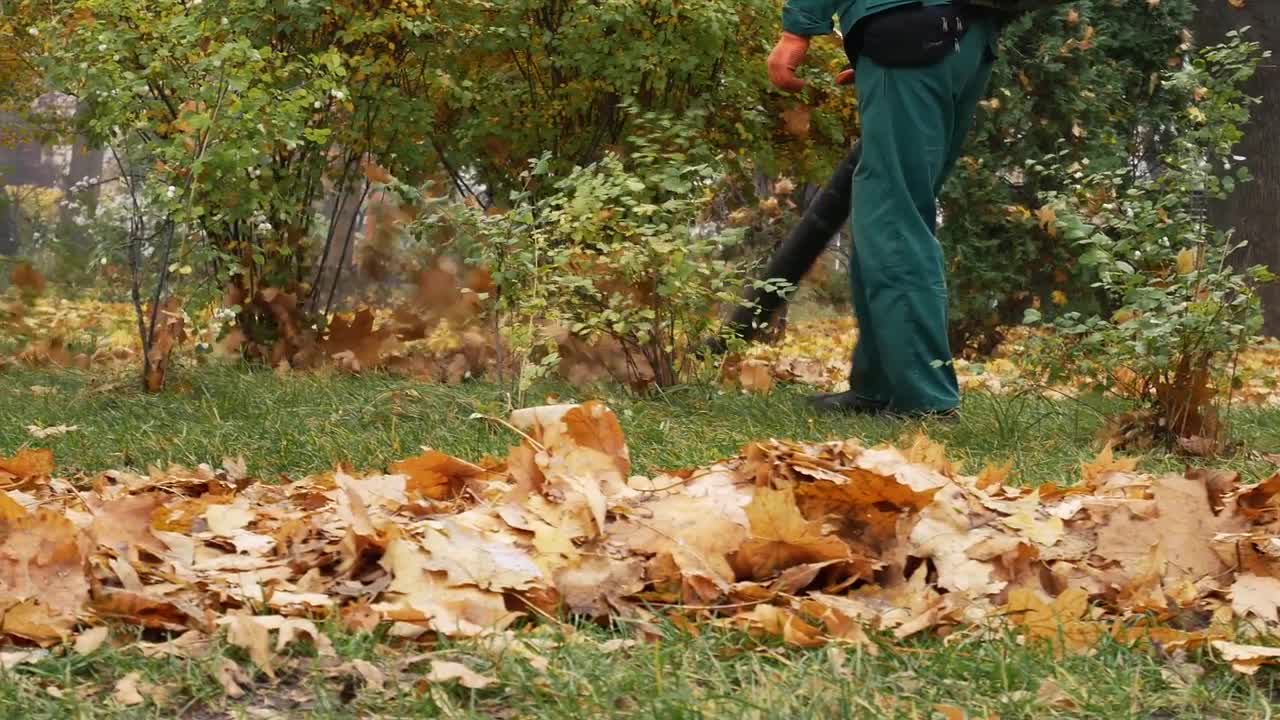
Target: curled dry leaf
[374,678]
[444,671]
[126,692]
[231,677]
[41,433]
[90,640]
[248,633]
[1052,695]
[1247,659]
[10,659]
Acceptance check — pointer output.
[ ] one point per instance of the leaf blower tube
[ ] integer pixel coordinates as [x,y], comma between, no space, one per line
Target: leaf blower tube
[793,259]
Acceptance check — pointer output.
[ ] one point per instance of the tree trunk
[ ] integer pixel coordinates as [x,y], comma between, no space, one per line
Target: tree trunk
[8,225]
[1251,209]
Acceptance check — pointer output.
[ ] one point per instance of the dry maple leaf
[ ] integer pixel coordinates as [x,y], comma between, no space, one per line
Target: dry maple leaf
[42,433]
[435,475]
[416,595]
[692,535]
[796,121]
[44,580]
[1106,462]
[1061,623]
[231,677]
[593,425]
[780,622]
[26,278]
[90,640]
[756,376]
[374,678]
[1051,694]
[228,519]
[124,525]
[781,537]
[1261,500]
[1254,595]
[1184,527]
[167,332]
[252,636]
[10,659]
[26,467]
[950,712]
[597,585]
[487,561]
[146,610]
[843,618]
[945,535]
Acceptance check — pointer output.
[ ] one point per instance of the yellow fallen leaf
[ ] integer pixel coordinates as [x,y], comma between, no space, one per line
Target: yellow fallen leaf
[950,712]
[1106,462]
[1186,261]
[1048,218]
[781,537]
[27,465]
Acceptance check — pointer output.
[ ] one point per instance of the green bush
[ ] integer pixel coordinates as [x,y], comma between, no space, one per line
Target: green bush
[613,252]
[1081,83]
[1181,313]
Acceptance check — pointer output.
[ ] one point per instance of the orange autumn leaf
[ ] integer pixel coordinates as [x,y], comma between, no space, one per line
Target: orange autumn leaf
[26,466]
[435,475]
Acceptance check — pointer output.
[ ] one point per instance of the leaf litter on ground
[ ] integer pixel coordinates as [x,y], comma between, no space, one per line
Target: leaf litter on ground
[811,543]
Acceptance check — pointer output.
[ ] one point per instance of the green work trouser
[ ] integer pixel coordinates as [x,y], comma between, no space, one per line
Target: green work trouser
[914,123]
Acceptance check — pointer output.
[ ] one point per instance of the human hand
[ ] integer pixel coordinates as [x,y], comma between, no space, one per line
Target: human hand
[787,55]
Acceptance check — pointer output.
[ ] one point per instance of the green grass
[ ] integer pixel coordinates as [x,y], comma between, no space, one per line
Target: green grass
[306,423]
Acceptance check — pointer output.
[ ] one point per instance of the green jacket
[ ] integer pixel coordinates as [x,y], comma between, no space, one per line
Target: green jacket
[810,18]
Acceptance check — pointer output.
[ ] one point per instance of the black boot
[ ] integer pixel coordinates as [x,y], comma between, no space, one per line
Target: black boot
[850,403]
[846,403]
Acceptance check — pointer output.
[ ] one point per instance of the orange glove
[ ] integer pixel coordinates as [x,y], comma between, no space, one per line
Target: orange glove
[785,58]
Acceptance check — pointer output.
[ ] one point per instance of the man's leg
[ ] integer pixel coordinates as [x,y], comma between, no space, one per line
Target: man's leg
[910,120]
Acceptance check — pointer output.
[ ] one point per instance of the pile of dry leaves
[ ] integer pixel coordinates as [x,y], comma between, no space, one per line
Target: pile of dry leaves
[812,543]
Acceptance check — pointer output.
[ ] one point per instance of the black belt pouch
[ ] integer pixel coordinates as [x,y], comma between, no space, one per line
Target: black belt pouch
[910,36]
